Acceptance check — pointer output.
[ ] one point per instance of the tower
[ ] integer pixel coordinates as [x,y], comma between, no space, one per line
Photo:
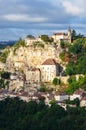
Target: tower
[69,34]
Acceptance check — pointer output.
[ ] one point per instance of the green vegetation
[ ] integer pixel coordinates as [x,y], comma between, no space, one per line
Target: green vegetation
[56,81]
[62,56]
[64,45]
[46,39]
[75,36]
[45,88]
[77,57]
[3,83]
[16,114]
[4,55]
[30,36]
[76,102]
[18,44]
[5,75]
[75,84]
[38,44]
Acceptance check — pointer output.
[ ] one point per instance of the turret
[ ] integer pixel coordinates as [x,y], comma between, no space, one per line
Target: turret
[69,34]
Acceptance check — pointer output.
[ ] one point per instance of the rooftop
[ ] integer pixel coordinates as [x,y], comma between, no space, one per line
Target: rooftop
[49,62]
[59,33]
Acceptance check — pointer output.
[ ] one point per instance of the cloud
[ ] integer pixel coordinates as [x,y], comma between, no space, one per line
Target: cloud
[71,8]
[23,18]
[20,17]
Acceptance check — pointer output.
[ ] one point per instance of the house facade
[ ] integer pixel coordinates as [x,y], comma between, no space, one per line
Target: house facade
[33,75]
[61,36]
[29,40]
[49,70]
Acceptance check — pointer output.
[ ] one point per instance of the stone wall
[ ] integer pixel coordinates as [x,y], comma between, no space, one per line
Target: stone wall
[32,56]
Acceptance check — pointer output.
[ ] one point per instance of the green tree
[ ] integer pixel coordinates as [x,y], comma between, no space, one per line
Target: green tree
[45,38]
[56,81]
[5,75]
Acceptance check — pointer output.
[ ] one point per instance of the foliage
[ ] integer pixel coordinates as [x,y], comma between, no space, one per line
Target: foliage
[30,36]
[3,83]
[75,36]
[56,81]
[43,89]
[62,56]
[46,39]
[5,75]
[18,44]
[75,84]
[78,65]
[16,114]
[76,102]
[77,47]
[4,55]
[64,45]
[38,44]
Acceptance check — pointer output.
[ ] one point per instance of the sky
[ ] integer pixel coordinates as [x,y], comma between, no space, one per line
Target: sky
[19,18]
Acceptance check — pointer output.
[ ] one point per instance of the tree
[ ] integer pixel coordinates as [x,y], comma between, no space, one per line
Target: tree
[2,83]
[62,44]
[45,38]
[56,81]
[5,75]
[73,35]
[30,36]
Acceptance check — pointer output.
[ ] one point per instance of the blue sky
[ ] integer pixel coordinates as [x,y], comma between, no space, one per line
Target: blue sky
[19,18]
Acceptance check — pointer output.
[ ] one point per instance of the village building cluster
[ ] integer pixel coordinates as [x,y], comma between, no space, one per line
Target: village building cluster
[32,65]
[48,97]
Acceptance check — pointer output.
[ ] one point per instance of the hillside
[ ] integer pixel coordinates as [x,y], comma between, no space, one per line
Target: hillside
[71,58]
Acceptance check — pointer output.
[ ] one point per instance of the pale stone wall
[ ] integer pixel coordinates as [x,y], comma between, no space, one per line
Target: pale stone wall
[31,56]
[83,103]
[33,76]
[48,72]
[57,38]
[2,66]
[64,79]
[74,96]
[61,97]
[15,84]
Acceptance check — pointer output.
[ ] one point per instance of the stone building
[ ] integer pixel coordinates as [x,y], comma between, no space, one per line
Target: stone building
[2,66]
[49,70]
[33,75]
[61,36]
[29,40]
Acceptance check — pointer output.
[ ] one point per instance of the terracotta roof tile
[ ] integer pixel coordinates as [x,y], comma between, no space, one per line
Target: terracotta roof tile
[84,98]
[80,92]
[59,33]
[49,62]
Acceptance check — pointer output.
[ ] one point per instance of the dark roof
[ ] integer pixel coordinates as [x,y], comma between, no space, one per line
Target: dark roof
[30,37]
[84,98]
[49,62]
[59,33]
[62,93]
[84,94]
[79,92]
[35,69]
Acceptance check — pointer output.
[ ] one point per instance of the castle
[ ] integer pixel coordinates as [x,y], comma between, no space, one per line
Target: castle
[42,62]
[57,37]
[61,36]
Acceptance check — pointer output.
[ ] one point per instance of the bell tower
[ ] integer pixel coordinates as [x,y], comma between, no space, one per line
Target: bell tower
[69,34]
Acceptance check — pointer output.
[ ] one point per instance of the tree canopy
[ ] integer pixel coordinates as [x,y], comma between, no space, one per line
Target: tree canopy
[16,114]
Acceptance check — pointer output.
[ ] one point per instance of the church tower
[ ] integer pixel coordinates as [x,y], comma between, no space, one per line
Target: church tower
[69,34]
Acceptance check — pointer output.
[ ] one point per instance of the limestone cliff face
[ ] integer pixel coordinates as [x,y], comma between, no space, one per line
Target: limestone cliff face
[31,56]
